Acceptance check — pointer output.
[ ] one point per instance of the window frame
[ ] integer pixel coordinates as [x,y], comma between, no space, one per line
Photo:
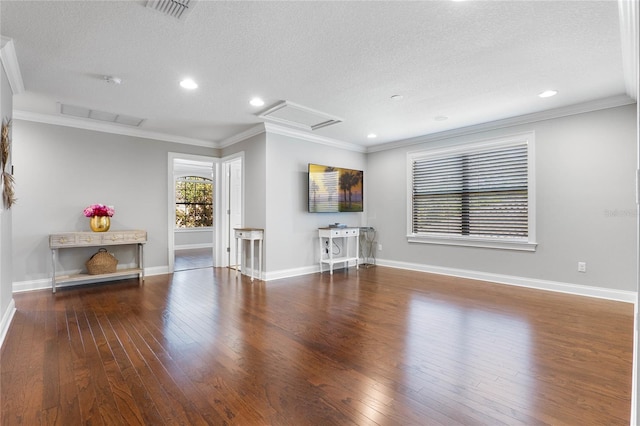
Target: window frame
[524,244]
[206,180]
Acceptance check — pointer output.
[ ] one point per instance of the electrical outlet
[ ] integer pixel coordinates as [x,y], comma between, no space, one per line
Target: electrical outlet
[379,247]
[582,266]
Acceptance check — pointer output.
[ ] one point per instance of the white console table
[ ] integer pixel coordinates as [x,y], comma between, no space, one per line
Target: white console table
[96,239]
[350,246]
[252,235]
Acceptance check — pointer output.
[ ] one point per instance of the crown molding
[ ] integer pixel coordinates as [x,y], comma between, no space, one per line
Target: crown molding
[299,134]
[10,64]
[108,128]
[629,35]
[255,130]
[294,133]
[581,108]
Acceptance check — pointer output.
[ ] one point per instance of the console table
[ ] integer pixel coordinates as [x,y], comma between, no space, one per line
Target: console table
[349,250]
[252,235]
[96,239]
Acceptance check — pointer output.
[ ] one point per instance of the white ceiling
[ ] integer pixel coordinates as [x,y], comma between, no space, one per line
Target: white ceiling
[471,61]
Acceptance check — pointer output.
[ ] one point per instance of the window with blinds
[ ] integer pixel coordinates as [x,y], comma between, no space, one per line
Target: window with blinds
[479,193]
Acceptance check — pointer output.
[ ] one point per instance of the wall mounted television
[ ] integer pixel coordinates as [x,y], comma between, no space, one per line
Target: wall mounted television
[335,189]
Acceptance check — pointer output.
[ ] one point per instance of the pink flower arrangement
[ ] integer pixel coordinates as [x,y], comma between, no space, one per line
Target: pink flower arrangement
[98,210]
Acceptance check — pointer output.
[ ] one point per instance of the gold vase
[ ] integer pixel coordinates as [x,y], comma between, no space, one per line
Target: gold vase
[100,223]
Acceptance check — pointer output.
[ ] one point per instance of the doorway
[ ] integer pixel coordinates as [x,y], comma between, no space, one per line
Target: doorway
[191,208]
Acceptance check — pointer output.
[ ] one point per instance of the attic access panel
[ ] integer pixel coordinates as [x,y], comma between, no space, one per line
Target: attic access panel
[299,116]
[178,9]
[92,114]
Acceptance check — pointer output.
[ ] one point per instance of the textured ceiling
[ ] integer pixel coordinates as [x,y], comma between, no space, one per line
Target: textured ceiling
[471,61]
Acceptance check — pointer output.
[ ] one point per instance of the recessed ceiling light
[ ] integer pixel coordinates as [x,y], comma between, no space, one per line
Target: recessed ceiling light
[441,118]
[548,93]
[256,102]
[397,97]
[372,136]
[188,83]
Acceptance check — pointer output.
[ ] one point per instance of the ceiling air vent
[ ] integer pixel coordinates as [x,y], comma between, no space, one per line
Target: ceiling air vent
[299,116]
[178,9]
[93,114]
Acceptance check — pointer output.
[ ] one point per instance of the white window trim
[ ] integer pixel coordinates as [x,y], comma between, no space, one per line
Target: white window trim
[188,230]
[528,244]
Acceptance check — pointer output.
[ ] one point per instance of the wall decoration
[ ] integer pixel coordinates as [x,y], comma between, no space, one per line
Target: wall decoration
[6,178]
[335,189]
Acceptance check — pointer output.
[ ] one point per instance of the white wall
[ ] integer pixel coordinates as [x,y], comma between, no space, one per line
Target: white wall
[254,172]
[585,168]
[585,200]
[61,170]
[254,184]
[275,173]
[292,232]
[193,238]
[6,297]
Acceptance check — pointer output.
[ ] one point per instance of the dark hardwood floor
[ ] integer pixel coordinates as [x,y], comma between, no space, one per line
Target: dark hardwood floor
[374,347]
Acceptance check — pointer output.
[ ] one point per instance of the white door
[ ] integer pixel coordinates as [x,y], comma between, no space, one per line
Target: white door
[233,197]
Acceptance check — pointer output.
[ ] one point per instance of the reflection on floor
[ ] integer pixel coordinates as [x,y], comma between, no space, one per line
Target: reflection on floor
[193,259]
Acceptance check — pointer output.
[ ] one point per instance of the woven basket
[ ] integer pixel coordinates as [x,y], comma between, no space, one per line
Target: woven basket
[102,262]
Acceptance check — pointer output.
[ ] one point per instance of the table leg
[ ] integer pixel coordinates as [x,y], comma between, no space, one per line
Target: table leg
[53,269]
[260,259]
[330,256]
[141,262]
[357,250]
[253,243]
[237,247]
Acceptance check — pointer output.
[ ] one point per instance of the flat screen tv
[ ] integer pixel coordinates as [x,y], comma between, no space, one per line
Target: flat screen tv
[334,189]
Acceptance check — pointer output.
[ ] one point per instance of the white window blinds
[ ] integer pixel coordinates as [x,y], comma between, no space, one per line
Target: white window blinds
[481,193]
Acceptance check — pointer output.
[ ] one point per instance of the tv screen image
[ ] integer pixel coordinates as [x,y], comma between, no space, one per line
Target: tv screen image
[335,189]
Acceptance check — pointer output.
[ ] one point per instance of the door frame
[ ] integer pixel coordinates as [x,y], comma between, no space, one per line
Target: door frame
[225,234]
[171,208]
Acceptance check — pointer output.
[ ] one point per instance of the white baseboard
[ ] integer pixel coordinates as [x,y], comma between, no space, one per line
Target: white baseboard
[193,246]
[295,272]
[6,321]
[560,287]
[156,270]
[45,283]
[288,273]
[579,290]
[30,285]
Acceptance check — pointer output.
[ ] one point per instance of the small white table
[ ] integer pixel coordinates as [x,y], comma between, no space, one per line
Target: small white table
[349,251]
[252,235]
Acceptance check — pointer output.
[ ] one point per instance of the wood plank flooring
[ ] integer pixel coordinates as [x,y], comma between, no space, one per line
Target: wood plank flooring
[377,346]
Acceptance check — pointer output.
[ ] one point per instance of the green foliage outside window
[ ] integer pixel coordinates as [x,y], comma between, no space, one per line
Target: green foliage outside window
[194,202]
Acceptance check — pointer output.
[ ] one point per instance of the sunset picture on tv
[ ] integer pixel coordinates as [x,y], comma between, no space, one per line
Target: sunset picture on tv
[334,189]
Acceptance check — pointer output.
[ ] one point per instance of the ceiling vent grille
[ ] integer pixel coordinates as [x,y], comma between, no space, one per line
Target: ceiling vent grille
[299,116]
[178,9]
[92,114]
